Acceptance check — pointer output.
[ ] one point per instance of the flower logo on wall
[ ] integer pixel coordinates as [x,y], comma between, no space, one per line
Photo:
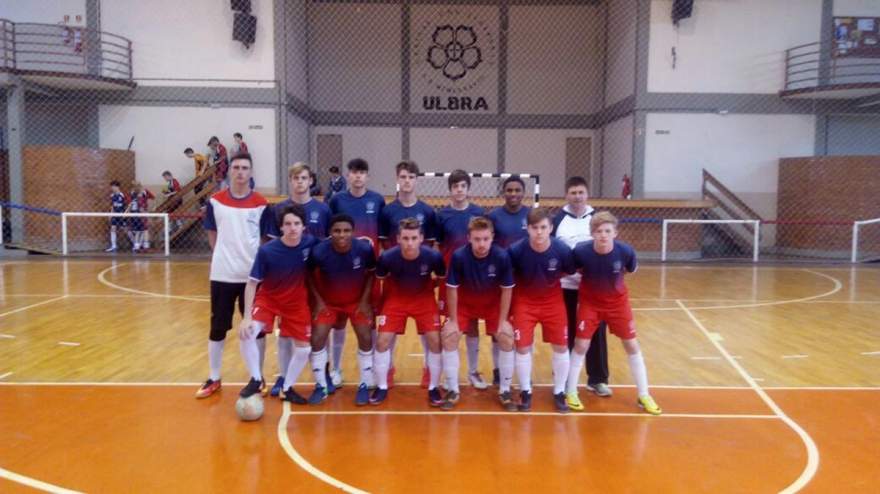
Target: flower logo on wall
[454,51]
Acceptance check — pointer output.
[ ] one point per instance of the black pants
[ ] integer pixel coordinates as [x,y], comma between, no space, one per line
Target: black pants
[597,355]
[223,298]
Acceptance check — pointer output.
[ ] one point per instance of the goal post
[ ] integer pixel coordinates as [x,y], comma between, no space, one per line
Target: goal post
[485,188]
[66,218]
[874,237]
[756,229]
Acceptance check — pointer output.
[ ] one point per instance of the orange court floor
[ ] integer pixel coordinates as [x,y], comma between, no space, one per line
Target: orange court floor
[769,378]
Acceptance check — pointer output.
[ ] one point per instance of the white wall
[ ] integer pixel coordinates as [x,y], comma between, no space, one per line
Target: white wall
[555,59]
[728,46]
[617,146]
[380,146]
[192,39]
[742,151]
[621,57]
[867,8]
[542,151]
[162,133]
[445,149]
[298,145]
[44,11]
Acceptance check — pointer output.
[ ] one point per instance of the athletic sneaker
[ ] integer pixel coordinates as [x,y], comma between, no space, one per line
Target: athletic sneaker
[210,387]
[292,396]
[496,377]
[318,395]
[435,399]
[426,378]
[574,401]
[525,401]
[110,249]
[330,387]
[264,390]
[649,405]
[251,388]
[559,401]
[378,396]
[363,395]
[336,378]
[507,403]
[477,381]
[600,389]
[390,378]
[450,401]
[278,386]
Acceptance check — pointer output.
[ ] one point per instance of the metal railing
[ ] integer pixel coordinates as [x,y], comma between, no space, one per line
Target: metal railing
[817,64]
[29,46]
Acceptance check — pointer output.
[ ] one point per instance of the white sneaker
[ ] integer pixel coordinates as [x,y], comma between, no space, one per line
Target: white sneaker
[600,389]
[336,377]
[111,249]
[477,381]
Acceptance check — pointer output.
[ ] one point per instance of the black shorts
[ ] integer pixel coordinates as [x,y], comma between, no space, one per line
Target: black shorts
[117,221]
[223,298]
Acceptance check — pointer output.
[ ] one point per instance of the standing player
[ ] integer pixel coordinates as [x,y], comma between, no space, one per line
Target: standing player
[572,226]
[365,208]
[538,263]
[478,286]
[276,287]
[452,232]
[117,205]
[603,296]
[342,279]
[236,219]
[408,291]
[510,220]
[139,227]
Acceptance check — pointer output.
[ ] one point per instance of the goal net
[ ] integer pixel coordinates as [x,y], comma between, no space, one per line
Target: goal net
[100,232]
[694,240]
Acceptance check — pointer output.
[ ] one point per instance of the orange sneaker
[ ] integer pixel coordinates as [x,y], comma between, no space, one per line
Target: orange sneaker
[210,387]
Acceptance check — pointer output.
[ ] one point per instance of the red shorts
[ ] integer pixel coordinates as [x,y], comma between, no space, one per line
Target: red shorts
[554,323]
[619,319]
[295,322]
[468,316]
[394,315]
[331,314]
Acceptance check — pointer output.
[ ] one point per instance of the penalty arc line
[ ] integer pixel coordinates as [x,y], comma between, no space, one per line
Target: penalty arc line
[103,280]
[34,483]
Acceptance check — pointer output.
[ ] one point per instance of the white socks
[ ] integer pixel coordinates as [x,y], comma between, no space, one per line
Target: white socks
[576,362]
[338,337]
[251,354]
[639,373]
[505,370]
[297,363]
[435,367]
[215,358]
[523,364]
[560,371]
[319,363]
[450,368]
[473,353]
[381,363]
[365,365]
[113,238]
[495,351]
[285,350]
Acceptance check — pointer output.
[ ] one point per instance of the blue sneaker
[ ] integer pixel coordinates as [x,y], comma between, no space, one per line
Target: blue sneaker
[318,395]
[363,395]
[378,396]
[525,401]
[435,399]
[330,387]
[278,386]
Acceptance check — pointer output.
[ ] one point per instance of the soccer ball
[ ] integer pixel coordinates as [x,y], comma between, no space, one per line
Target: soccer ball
[250,408]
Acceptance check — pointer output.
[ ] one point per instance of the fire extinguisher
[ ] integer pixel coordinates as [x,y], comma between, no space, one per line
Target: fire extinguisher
[627,187]
[73,37]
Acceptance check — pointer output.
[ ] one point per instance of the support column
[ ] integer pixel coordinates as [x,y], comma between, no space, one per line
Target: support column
[15,113]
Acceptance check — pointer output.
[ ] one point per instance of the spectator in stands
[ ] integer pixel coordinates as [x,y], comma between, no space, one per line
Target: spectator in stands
[337,183]
[201,163]
[219,158]
[171,192]
[314,187]
[240,147]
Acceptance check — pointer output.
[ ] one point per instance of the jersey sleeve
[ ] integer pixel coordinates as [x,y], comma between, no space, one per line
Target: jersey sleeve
[430,223]
[382,266]
[630,261]
[258,270]
[333,203]
[576,256]
[438,266]
[440,230]
[369,257]
[384,223]
[268,225]
[506,271]
[557,220]
[209,222]
[274,231]
[453,276]
[567,259]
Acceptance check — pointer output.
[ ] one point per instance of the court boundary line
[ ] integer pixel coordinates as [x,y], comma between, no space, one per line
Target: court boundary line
[812,465]
[103,281]
[34,483]
[414,384]
[501,413]
[26,307]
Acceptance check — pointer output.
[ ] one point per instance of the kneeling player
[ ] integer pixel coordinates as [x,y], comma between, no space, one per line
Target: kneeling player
[539,261]
[342,278]
[408,291]
[478,286]
[277,288]
[604,297]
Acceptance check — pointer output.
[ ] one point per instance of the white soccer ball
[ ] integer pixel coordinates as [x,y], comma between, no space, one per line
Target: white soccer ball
[250,408]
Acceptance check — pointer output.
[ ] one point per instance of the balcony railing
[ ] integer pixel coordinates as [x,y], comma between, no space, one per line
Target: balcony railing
[819,64]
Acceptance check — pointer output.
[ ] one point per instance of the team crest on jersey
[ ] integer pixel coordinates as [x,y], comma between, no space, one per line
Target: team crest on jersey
[306,254]
[356,263]
[551,265]
[313,218]
[525,224]
[617,266]
[491,270]
[423,270]
[371,207]
[421,218]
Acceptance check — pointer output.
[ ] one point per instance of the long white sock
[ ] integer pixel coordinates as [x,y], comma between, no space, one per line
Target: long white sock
[319,363]
[495,354]
[523,364]
[381,363]
[113,238]
[251,355]
[450,368]
[639,373]
[424,349]
[505,370]
[215,358]
[285,350]
[576,362]
[435,367]
[560,371]
[338,336]
[146,239]
[298,362]
[261,346]
[365,365]
[472,343]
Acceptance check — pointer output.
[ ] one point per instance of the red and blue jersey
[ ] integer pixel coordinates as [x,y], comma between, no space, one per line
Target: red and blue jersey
[340,277]
[317,218]
[452,228]
[602,274]
[409,280]
[537,274]
[281,271]
[140,201]
[509,227]
[479,281]
[365,210]
[396,211]
[117,202]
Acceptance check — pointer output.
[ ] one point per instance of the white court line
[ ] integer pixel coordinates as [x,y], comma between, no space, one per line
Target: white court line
[870,353]
[488,413]
[103,280]
[68,343]
[4,376]
[812,450]
[302,462]
[34,483]
[415,355]
[795,356]
[7,336]
[705,358]
[44,302]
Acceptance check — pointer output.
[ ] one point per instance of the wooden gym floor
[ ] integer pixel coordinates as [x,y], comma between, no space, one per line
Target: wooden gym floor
[769,378]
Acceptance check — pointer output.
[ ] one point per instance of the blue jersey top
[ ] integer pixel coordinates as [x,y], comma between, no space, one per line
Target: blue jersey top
[365,210]
[317,218]
[452,227]
[281,270]
[509,227]
[479,281]
[396,211]
[537,274]
[340,277]
[602,274]
[407,281]
[117,202]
